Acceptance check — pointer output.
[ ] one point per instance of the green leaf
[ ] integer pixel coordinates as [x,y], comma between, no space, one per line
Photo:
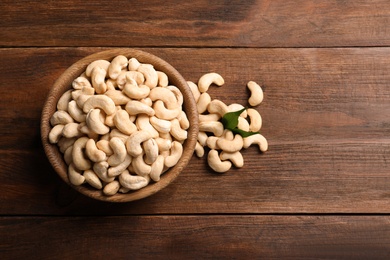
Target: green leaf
[230,122]
[230,119]
[243,133]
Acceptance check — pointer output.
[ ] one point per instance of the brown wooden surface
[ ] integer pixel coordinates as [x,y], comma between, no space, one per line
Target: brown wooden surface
[321,191]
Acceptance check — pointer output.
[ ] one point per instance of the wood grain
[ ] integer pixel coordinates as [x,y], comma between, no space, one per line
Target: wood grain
[279,23]
[196,237]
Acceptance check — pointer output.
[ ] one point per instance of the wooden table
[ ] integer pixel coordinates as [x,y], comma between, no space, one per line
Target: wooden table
[321,191]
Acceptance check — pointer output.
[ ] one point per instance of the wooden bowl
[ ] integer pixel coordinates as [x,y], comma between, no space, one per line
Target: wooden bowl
[63,83]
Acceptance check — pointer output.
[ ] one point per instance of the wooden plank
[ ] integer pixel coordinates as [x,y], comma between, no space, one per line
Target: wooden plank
[196,237]
[277,23]
[311,95]
[299,178]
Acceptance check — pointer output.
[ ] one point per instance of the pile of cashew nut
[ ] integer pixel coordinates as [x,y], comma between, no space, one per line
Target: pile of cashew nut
[120,126]
[225,146]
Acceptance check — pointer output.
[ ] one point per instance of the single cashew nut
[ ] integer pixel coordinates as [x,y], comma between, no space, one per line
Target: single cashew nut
[140,167]
[256,93]
[134,107]
[111,188]
[95,122]
[151,150]
[215,162]
[100,101]
[214,127]
[164,113]
[71,130]
[162,79]
[217,107]
[116,170]
[161,125]
[135,91]
[118,134]
[163,144]
[143,124]
[207,79]
[256,139]
[231,146]
[236,158]
[65,143]
[75,177]
[93,153]
[117,64]
[84,129]
[119,149]
[255,120]
[92,179]
[165,95]
[79,159]
[177,132]
[55,134]
[203,102]
[212,142]
[209,117]
[176,91]
[76,112]
[133,64]
[157,168]
[104,64]
[243,124]
[104,145]
[62,103]
[117,96]
[123,123]
[98,77]
[133,143]
[194,89]
[127,76]
[68,155]
[60,117]
[183,120]
[202,138]
[199,150]
[132,182]
[175,154]
[101,170]
[81,82]
[150,74]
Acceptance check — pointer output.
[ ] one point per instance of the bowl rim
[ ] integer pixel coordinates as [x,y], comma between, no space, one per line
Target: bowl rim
[63,83]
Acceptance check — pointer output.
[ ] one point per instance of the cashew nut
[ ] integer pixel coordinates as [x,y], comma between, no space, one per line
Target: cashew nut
[116,170]
[132,182]
[202,138]
[104,145]
[157,168]
[194,89]
[255,120]
[117,96]
[127,77]
[55,134]
[64,100]
[142,122]
[214,127]
[119,149]
[161,125]
[95,122]
[101,170]
[236,158]
[68,155]
[237,107]
[117,64]
[104,64]
[231,146]
[175,154]
[135,91]
[212,142]
[111,188]
[118,134]
[207,79]
[183,120]
[60,117]
[151,150]
[140,167]
[65,143]
[203,102]
[98,77]
[217,107]
[163,113]
[176,131]
[215,162]
[134,107]
[71,130]
[165,95]
[163,144]
[199,150]
[150,74]
[81,82]
[100,101]
[92,179]
[76,112]
[256,93]
[123,123]
[79,160]
[256,139]
[209,117]
[133,64]
[243,124]
[176,91]
[75,177]
[93,153]
[133,143]
[162,79]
